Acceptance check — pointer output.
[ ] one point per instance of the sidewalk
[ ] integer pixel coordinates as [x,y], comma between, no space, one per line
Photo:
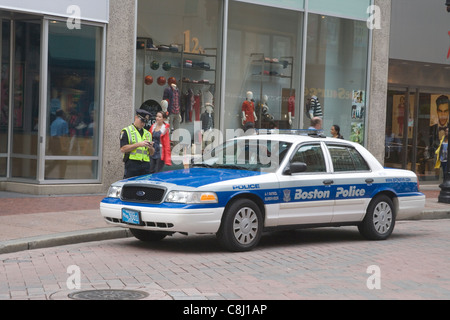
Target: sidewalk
[32,222]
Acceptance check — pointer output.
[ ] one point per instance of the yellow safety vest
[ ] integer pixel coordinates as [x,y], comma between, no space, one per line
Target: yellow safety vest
[141,153]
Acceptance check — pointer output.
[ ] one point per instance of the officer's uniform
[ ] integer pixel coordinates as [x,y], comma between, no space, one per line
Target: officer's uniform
[137,162]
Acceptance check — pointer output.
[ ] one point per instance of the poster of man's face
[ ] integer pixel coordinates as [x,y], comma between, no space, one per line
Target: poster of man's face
[439,110]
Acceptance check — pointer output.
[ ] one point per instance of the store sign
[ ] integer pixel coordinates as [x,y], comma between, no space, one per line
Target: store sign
[97,10]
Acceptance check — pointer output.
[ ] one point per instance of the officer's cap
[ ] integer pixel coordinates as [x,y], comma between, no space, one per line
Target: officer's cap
[143,114]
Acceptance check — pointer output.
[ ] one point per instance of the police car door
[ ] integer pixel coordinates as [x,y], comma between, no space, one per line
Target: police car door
[352,182]
[306,197]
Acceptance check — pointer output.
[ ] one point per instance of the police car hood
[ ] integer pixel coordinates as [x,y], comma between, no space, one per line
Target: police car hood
[193,177]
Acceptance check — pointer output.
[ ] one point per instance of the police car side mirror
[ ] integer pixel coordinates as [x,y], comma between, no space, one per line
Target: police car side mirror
[295,167]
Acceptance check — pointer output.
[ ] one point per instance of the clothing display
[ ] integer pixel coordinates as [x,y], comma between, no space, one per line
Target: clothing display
[248,107]
[291,105]
[315,109]
[207,119]
[172,95]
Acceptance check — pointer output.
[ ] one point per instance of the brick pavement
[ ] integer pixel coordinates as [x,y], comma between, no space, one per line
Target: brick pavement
[327,263]
[28,222]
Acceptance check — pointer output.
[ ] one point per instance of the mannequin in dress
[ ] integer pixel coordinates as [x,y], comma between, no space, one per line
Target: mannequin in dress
[248,110]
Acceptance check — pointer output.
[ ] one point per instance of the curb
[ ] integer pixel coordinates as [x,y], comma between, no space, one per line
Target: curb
[432,215]
[60,239]
[99,234]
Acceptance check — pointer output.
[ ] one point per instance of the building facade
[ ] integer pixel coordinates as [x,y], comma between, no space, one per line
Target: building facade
[417,105]
[73,75]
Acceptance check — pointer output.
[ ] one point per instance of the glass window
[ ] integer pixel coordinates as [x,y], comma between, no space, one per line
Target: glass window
[25,98]
[312,155]
[262,67]
[4,89]
[252,154]
[74,81]
[347,159]
[179,42]
[336,74]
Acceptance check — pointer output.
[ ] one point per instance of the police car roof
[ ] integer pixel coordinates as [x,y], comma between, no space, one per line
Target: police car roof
[296,138]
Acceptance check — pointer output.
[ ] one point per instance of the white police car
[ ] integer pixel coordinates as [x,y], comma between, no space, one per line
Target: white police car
[266,182]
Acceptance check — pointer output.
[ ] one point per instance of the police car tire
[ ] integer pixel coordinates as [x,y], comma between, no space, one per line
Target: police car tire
[241,226]
[147,236]
[379,221]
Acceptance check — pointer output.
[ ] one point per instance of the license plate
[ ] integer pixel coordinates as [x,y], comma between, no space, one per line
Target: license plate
[131,216]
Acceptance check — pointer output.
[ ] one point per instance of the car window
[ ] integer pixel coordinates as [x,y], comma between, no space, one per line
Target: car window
[243,154]
[312,155]
[346,158]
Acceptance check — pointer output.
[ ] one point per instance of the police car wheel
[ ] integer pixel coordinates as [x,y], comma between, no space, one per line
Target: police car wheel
[148,236]
[379,221]
[241,226]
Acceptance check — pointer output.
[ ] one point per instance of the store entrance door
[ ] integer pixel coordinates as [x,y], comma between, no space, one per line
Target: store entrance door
[20,100]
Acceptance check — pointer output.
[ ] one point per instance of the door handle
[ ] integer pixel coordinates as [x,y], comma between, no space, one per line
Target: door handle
[369,181]
[328,182]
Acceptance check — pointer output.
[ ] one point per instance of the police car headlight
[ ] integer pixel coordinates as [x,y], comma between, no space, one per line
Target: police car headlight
[191,197]
[114,192]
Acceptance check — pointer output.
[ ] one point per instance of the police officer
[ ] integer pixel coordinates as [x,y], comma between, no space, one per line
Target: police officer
[136,146]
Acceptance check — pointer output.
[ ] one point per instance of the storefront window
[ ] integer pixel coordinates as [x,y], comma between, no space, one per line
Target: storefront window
[179,43]
[25,98]
[262,67]
[416,116]
[412,140]
[336,74]
[74,78]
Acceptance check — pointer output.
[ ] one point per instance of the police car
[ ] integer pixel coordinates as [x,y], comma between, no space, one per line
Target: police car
[264,182]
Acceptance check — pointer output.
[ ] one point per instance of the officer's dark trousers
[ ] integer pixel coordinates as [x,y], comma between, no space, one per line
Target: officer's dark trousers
[135,168]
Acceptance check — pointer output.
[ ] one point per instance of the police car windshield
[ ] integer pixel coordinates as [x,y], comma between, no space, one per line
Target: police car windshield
[248,154]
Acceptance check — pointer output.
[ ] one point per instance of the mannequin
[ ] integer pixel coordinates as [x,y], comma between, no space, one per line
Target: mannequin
[266,116]
[315,108]
[172,96]
[164,105]
[208,117]
[248,110]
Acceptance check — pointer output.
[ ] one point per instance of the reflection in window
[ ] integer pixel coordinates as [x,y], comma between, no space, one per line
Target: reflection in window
[74,64]
[312,156]
[336,73]
[264,45]
[347,159]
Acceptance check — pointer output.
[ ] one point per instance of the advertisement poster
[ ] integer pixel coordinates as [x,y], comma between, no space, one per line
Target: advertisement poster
[357,116]
[357,132]
[399,113]
[439,113]
[358,107]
